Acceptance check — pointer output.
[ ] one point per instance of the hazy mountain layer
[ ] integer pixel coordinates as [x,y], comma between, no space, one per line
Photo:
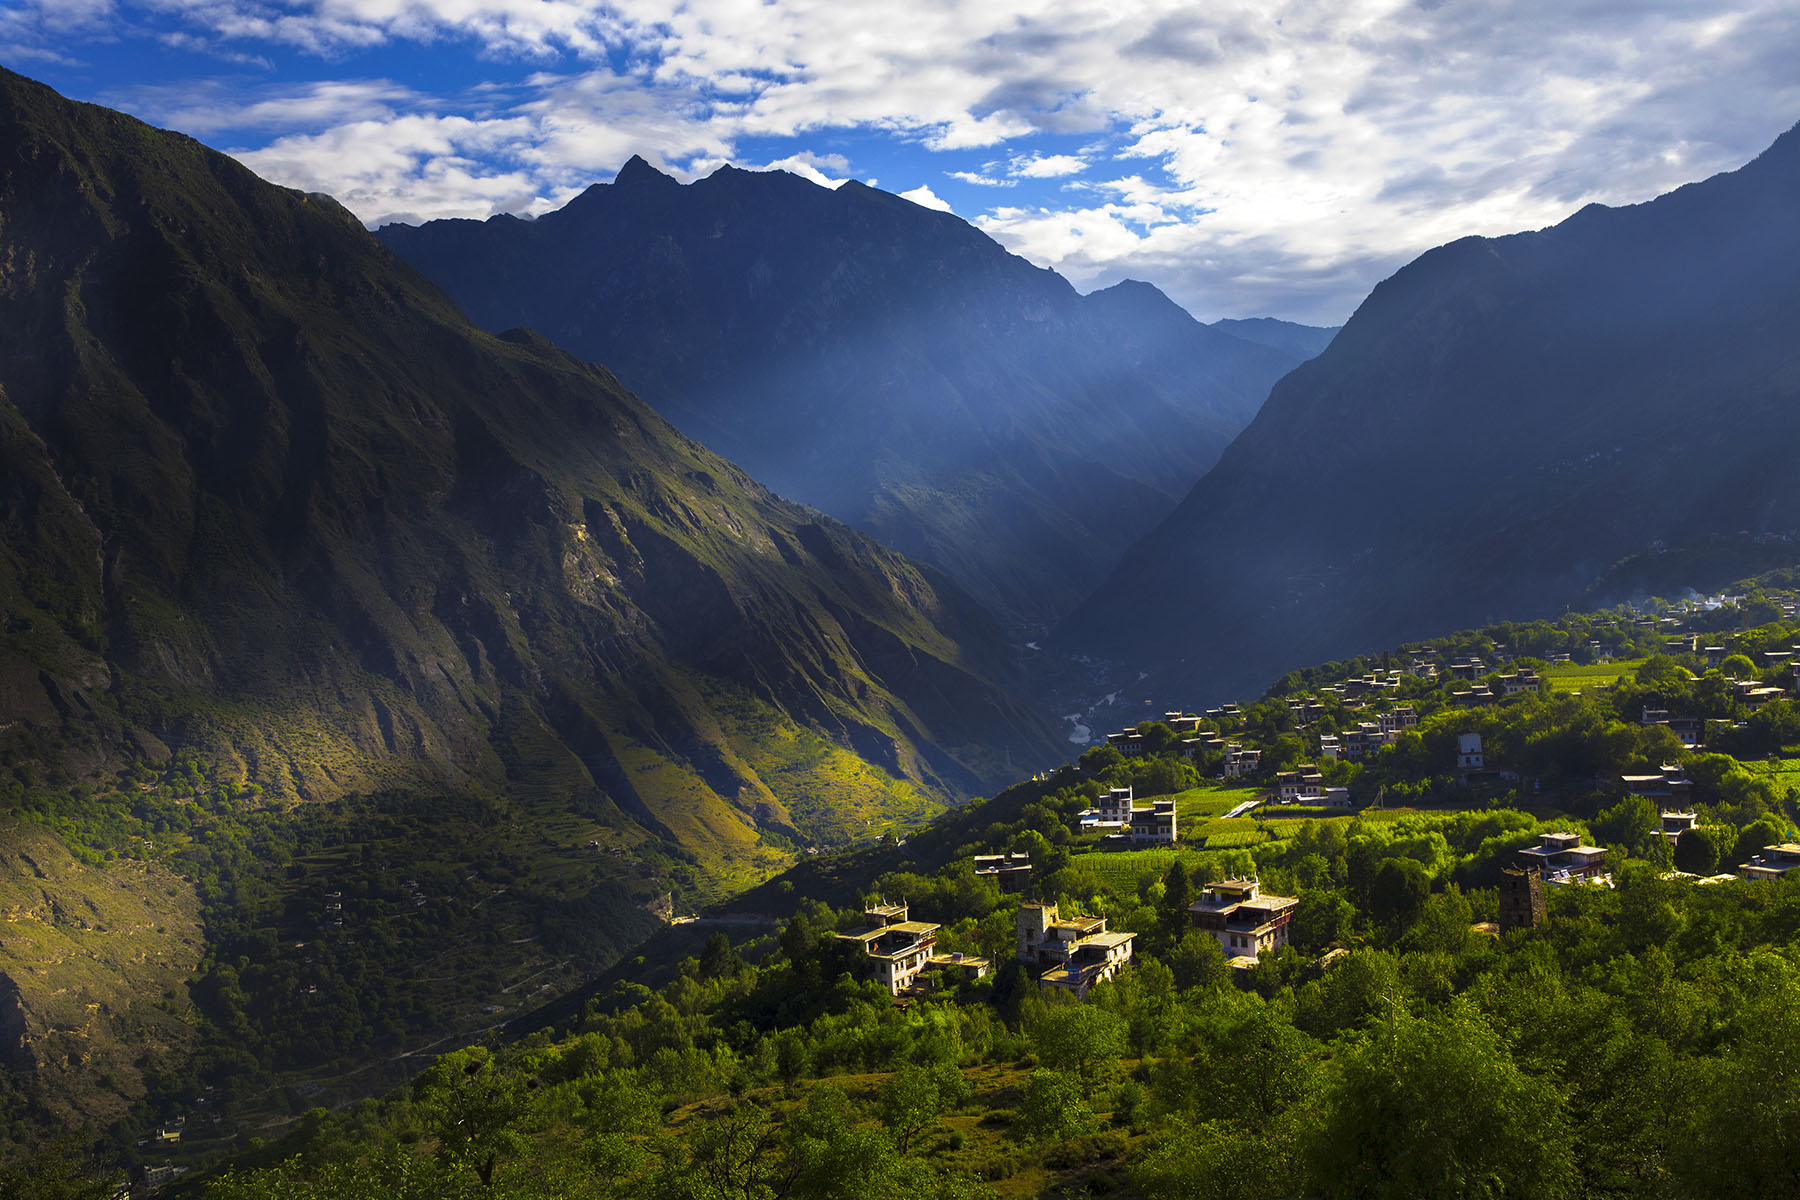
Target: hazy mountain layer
[1496,426]
[889,364]
[1303,341]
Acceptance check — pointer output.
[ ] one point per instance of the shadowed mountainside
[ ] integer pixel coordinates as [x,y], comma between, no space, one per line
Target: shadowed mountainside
[1497,425]
[270,500]
[889,364]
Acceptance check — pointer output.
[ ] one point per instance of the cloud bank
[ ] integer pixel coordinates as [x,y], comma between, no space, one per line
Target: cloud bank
[1249,156]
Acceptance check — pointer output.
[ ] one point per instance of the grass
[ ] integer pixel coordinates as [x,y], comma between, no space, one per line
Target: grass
[1120,870]
[1234,839]
[1781,766]
[1386,814]
[1210,801]
[100,957]
[1572,677]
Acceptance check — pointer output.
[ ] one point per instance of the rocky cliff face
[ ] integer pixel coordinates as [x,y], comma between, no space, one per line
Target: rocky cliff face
[886,363]
[1496,426]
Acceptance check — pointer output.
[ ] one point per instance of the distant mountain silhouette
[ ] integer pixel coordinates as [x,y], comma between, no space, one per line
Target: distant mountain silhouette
[1303,341]
[887,363]
[1497,425]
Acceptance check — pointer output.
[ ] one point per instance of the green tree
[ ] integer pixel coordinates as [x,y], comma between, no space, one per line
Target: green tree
[717,958]
[1764,831]
[1437,1107]
[1633,825]
[1080,1038]
[1697,851]
[57,1170]
[1323,918]
[829,1154]
[738,1155]
[1172,909]
[469,1106]
[1198,961]
[1398,894]
[1054,1107]
[1738,666]
[910,1105]
[1744,1138]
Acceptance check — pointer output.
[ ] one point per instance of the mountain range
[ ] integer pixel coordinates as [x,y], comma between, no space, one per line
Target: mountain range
[1497,425]
[274,507]
[889,364]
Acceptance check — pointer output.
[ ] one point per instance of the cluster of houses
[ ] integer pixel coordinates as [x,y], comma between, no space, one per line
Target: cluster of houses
[1070,953]
[1126,823]
[1073,953]
[1369,736]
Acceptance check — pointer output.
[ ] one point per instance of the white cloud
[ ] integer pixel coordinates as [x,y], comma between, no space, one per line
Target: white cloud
[1276,154]
[201,107]
[924,197]
[981,180]
[806,165]
[1055,166]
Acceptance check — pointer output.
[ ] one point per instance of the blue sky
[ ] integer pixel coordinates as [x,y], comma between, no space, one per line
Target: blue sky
[1250,157]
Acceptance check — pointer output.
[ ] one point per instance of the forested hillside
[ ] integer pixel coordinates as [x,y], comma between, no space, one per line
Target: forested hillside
[1637,1039]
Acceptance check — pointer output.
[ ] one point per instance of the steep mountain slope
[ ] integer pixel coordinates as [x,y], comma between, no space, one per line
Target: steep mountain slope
[886,363]
[1496,425]
[269,500]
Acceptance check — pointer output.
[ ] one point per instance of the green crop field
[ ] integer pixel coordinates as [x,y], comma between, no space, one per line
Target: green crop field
[1385,814]
[1787,770]
[1210,801]
[1234,839]
[1570,677]
[1120,870]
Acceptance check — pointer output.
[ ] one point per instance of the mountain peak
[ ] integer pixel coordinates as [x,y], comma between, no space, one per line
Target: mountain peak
[637,172]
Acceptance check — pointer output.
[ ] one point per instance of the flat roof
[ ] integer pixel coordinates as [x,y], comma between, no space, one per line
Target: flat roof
[911,927]
[865,935]
[1110,939]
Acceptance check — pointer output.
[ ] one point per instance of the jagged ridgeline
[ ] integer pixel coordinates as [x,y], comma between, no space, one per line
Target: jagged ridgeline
[271,502]
[891,365]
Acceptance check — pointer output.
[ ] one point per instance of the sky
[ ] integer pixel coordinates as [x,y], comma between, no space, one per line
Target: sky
[1250,157]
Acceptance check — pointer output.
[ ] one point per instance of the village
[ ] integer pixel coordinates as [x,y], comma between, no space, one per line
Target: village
[1351,721]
